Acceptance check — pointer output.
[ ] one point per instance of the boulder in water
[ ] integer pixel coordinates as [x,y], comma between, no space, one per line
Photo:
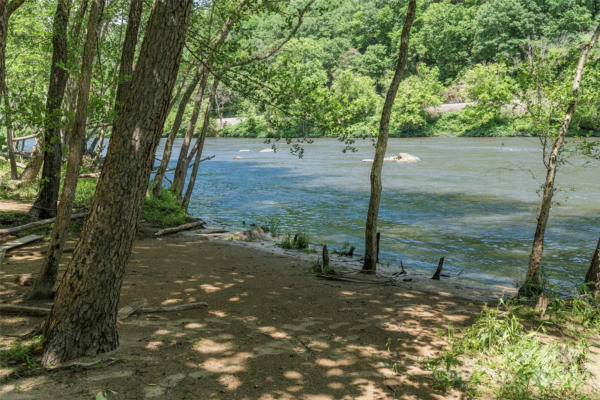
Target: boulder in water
[244,151]
[252,235]
[237,158]
[267,151]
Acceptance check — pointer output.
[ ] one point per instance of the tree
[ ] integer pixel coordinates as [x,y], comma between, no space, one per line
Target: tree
[42,287]
[370,263]
[6,10]
[592,278]
[45,203]
[83,319]
[532,284]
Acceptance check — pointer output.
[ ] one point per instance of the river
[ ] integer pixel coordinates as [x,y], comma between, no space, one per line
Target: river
[472,200]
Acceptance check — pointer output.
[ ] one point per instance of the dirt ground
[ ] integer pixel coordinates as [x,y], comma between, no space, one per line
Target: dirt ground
[271,330]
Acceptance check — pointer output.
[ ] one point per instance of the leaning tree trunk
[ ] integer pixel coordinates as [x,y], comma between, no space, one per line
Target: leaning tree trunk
[45,204]
[592,278]
[44,284]
[164,162]
[182,165]
[200,145]
[83,319]
[35,163]
[533,280]
[370,263]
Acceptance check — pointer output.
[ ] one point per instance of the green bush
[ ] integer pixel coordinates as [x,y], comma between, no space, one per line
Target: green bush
[163,210]
[85,192]
[298,242]
[507,361]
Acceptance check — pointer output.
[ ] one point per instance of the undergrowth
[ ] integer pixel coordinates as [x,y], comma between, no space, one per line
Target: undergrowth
[20,351]
[163,210]
[499,357]
[297,242]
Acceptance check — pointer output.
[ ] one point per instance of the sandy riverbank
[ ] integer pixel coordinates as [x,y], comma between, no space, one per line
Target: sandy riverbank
[271,329]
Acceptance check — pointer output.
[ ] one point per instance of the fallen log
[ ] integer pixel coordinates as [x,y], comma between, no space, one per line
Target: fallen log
[15,229]
[134,308]
[138,307]
[4,247]
[355,280]
[25,310]
[94,175]
[20,165]
[184,227]
[17,139]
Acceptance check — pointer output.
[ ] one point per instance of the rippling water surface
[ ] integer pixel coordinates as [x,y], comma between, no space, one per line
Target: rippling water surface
[472,201]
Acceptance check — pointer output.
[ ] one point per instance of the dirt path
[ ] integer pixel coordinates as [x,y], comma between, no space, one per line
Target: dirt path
[271,330]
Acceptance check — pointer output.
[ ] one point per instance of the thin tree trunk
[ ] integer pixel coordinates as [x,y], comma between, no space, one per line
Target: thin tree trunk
[14,174]
[83,319]
[182,165]
[35,164]
[200,145]
[533,280]
[43,285]
[45,204]
[128,53]
[6,10]
[370,263]
[592,278]
[164,162]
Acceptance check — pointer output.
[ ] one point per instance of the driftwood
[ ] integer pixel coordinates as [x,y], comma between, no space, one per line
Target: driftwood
[24,310]
[184,227]
[8,231]
[438,271]
[137,307]
[4,247]
[134,308]
[328,277]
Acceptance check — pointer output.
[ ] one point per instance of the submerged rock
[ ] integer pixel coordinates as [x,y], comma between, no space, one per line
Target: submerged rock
[237,158]
[401,157]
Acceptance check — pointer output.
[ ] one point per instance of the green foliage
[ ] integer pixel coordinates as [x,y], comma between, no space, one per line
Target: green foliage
[163,210]
[84,193]
[273,226]
[297,242]
[20,352]
[415,94]
[507,361]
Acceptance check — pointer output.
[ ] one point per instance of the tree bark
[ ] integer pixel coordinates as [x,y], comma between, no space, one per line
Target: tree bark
[32,169]
[592,278]
[533,280]
[45,204]
[370,263]
[164,162]
[84,315]
[182,165]
[46,280]
[6,10]
[200,145]
[128,53]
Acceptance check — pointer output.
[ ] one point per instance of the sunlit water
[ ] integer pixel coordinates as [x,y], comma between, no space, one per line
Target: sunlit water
[473,201]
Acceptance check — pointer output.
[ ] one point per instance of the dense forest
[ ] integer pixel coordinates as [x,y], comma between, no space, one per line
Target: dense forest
[91,90]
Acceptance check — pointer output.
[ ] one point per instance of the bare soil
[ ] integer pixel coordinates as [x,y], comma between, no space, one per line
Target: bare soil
[271,330]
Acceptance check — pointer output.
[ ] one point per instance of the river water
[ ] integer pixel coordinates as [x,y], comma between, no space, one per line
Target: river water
[472,200]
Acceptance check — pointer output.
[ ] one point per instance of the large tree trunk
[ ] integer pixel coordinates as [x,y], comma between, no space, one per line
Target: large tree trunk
[200,145]
[182,165]
[42,287]
[164,162]
[83,319]
[370,263]
[35,163]
[6,10]
[592,278]
[45,204]
[533,280]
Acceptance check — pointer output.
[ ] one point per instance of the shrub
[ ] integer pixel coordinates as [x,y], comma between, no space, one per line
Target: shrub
[298,242]
[163,210]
